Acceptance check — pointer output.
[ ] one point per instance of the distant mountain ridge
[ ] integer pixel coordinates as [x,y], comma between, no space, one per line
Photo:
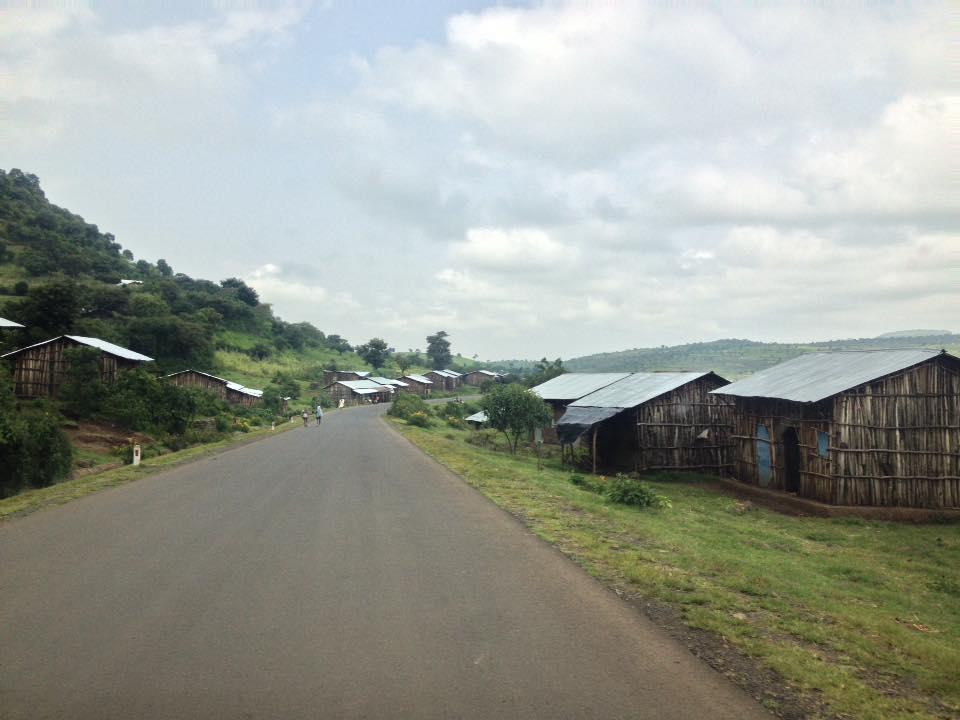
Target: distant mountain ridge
[735,358]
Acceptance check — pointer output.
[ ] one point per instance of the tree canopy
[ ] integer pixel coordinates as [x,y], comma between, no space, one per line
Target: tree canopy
[438,350]
[515,411]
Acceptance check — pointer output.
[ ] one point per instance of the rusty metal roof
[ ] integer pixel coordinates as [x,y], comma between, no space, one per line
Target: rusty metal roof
[636,389]
[815,376]
[572,386]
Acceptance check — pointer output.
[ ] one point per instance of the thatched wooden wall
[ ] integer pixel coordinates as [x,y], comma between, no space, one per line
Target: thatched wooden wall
[896,441]
[340,392]
[664,433]
[775,417]
[40,371]
[669,429]
[891,442]
[416,387]
[200,381]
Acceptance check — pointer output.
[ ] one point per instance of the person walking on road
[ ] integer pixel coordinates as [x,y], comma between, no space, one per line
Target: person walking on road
[306,416]
[319,414]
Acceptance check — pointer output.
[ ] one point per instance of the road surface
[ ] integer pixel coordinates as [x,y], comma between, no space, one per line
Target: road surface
[331,572]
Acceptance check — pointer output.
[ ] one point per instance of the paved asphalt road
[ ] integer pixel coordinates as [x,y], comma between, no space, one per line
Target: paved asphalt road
[331,572]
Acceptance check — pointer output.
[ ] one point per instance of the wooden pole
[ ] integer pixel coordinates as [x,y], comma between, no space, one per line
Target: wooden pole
[595,450]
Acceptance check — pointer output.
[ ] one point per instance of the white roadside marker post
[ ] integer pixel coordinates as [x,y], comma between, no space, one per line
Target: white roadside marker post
[136,454]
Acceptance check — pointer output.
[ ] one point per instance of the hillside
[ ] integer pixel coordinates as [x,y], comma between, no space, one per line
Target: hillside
[737,358]
[60,274]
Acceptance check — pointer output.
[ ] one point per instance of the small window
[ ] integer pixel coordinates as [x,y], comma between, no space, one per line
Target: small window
[823,444]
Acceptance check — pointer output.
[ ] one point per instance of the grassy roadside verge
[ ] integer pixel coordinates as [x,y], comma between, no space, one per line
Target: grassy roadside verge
[33,500]
[860,617]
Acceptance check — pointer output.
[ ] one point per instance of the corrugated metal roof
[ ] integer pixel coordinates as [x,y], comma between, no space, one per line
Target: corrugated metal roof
[244,390]
[572,386]
[491,373]
[444,373]
[200,372]
[358,385]
[107,347]
[420,379]
[636,389]
[389,382]
[9,323]
[110,348]
[577,420]
[478,417]
[453,372]
[812,377]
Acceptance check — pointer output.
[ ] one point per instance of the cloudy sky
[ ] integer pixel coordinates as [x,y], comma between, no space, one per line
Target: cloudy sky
[545,179]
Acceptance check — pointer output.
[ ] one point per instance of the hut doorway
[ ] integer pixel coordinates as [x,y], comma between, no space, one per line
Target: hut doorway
[764,456]
[791,460]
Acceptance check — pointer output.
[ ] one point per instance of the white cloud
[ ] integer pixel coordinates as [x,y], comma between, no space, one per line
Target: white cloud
[513,250]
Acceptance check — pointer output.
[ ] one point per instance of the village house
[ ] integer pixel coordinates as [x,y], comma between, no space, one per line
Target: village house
[417,384]
[562,390]
[231,392]
[331,376]
[358,392]
[39,370]
[395,384]
[874,427]
[443,379]
[4,323]
[653,421]
[478,377]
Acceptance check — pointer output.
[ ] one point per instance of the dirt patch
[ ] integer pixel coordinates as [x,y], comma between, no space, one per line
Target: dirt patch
[766,686]
[102,438]
[792,505]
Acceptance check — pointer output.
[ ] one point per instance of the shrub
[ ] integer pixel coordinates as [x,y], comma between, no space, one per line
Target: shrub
[456,422]
[420,419]
[485,438]
[222,423]
[631,491]
[46,455]
[82,392]
[21,288]
[406,404]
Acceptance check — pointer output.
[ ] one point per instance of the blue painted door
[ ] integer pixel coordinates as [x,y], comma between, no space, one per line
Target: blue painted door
[764,456]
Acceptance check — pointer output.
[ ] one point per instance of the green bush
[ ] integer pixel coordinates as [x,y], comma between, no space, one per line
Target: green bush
[420,419]
[222,423]
[34,450]
[406,404]
[456,422]
[631,491]
[485,438]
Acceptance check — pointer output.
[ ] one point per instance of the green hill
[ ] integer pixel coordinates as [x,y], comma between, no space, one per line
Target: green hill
[737,358]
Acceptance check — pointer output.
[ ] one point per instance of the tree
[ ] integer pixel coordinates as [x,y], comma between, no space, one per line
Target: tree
[438,350]
[338,344]
[164,267]
[403,362]
[515,411]
[545,370]
[376,352]
[244,292]
[82,392]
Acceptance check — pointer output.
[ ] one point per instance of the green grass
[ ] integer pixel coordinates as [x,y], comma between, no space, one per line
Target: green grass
[864,614]
[33,500]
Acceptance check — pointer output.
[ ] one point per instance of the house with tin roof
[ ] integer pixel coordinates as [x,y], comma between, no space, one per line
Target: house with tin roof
[868,427]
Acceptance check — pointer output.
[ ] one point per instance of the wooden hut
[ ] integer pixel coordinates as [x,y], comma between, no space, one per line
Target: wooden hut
[331,376]
[442,379]
[358,392]
[39,370]
[478,377]
[874,427]
[653,421]
[417,384]
[389,382]
[199,380]
[562,390]
[231,392]
[457,378]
